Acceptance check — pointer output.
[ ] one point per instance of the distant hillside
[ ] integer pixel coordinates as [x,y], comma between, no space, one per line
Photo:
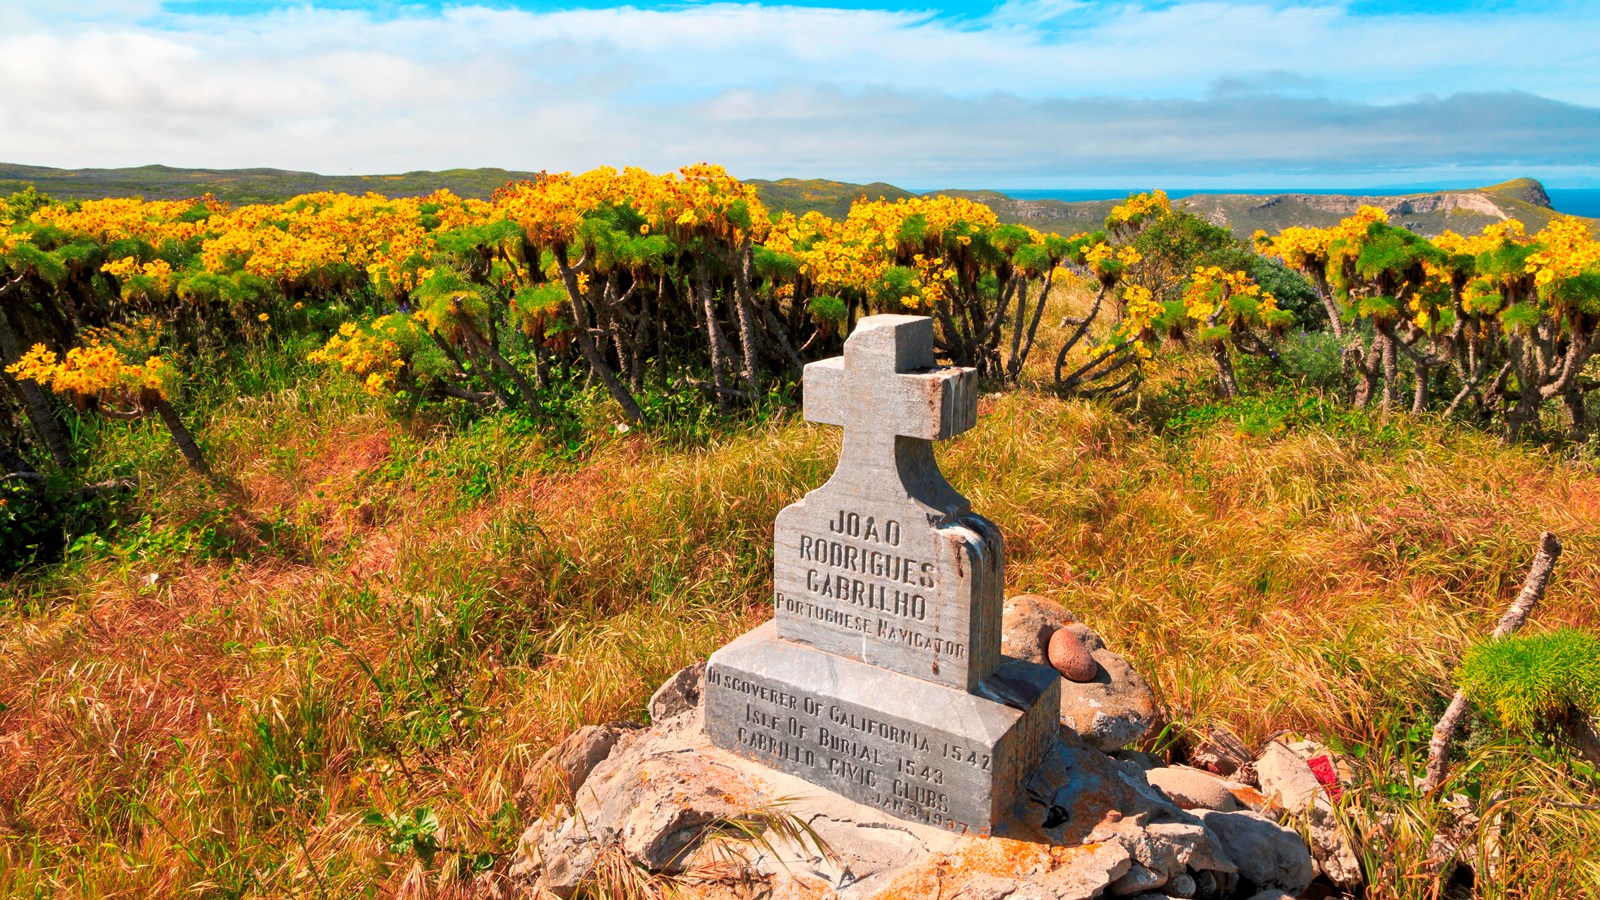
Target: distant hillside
[1427,213]
[243,185]
[832,198]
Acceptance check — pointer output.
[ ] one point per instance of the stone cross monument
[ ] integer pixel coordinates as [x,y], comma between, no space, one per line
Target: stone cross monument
[880,677]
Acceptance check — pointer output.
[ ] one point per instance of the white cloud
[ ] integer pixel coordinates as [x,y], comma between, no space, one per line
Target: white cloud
[1042,86]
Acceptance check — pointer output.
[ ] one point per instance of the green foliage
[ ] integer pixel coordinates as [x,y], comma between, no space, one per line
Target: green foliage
[1188,241]
[1580,292]
[26,257]
[1392,250]
[776,266]
[1315,359]
[1508,260]
[416,832]
[828,308]
[1521,315]
[22,204]
[1281,413]
[1295,294]
[1528,681]
[1379,308]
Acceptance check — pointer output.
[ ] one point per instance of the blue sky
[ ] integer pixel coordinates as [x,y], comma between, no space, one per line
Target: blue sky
[1023,93]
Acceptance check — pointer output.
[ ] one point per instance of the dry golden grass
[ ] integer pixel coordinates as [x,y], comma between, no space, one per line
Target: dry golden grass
[383,616]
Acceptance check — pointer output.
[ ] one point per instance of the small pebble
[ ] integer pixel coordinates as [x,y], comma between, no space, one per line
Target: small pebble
[1070,657]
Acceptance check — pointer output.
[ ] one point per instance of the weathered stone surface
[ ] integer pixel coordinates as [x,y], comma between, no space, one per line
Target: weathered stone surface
[1182,885]
[1194,789]
[1112,710]
[1286,777]
[678,694]
[650,805]
[1137,880]
[1331,848]
[1070,657]
[563,768]
[1088,798]
[1114,706]
[881,675]
[886,563]
[1028,621]
[1267,854]
[919,750]
[1084,822]
[1090,872]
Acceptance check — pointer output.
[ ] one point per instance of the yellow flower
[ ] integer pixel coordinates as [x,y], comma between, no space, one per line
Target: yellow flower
[299,306]
[262,317]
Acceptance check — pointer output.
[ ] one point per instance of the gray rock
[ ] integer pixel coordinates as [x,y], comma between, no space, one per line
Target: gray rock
[562,770]
[650,806]
[1271,895]
[678,694]
[1331,848]
[1194,789]
[1285,777]
[1182,885]
[1137,880]
[1145,761]
[1112,710]
[657,800]
[1267,854]
[1028,621]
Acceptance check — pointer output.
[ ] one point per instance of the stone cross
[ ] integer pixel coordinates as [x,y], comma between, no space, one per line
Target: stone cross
[892,401]
[886,563]
[880,676]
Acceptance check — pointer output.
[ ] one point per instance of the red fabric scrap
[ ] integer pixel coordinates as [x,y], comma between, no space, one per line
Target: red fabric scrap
[1322,766]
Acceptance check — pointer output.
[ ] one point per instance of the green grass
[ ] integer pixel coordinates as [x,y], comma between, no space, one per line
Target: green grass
[250,688]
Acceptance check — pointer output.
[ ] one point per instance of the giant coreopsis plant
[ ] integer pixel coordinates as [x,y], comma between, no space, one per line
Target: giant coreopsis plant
[116,372]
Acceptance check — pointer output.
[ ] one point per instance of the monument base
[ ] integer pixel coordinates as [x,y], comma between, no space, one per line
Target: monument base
[915,749]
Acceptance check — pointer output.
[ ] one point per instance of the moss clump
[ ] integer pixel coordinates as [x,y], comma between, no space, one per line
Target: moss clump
[1532,680]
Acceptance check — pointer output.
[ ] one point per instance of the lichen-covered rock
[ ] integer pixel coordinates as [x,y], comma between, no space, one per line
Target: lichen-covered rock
[1267,854]
[1114,708]
[561,771]
[650,805]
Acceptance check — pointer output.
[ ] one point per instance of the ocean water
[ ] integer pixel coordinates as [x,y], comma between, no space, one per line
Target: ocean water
[1576,201]
[1573,201]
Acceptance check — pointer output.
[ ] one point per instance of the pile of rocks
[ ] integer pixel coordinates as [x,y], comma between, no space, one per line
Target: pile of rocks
[1096,820]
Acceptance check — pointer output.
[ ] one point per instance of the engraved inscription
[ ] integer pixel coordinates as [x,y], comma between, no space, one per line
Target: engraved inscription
[867,756]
